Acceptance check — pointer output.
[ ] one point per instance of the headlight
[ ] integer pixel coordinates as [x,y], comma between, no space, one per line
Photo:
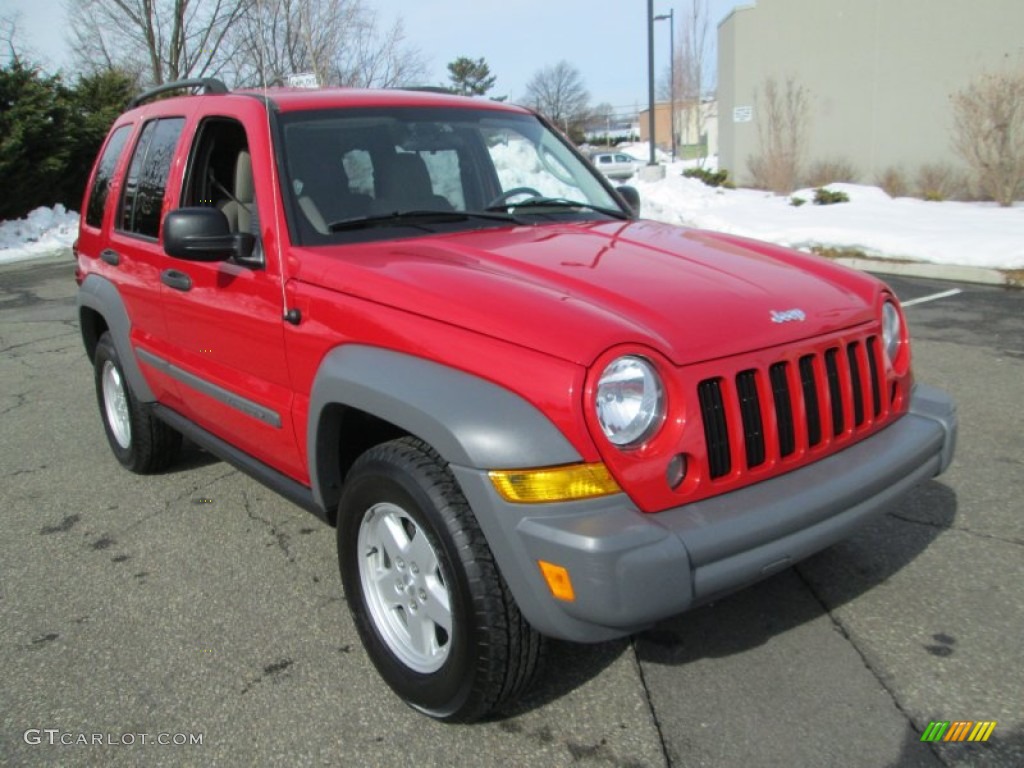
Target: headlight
[892,332]
[630,401]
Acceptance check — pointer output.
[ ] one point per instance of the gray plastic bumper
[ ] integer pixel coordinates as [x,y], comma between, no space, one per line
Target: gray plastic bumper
[631,569]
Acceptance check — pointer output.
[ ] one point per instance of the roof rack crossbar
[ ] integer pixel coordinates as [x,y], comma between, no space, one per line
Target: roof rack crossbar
[208,84]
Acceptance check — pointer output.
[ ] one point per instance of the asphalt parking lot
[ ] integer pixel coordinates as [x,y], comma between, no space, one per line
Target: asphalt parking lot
[197,605]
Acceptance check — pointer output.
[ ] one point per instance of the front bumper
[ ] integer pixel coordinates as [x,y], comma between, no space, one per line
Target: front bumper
[631,569]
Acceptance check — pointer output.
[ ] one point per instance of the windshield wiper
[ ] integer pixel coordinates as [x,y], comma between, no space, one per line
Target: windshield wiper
[417,219]
[559,202]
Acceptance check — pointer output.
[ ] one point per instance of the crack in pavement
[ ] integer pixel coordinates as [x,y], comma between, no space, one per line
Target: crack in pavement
[20,399]
[36,341]
[172,501]
[969,531]
[838,625]
[650,702]
[280,537]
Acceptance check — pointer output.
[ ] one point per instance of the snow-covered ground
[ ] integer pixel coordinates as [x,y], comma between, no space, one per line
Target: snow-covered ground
[963,234]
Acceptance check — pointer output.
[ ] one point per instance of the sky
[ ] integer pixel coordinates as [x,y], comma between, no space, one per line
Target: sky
[609,47]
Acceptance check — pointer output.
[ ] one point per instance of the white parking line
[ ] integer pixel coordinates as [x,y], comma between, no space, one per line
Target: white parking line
[933,297]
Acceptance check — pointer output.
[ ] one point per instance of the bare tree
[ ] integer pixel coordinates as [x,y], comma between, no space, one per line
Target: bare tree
[160,40]
[372,58]
[693,81]
[781,114]
[8,33]
[693,70]
[558,93]
[988,133]
[277,38]
[337,40]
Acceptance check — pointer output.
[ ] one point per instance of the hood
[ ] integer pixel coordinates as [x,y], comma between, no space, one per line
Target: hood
[574,290]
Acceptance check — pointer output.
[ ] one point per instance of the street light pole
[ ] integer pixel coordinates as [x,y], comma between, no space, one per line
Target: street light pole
[650,78]
[671,16]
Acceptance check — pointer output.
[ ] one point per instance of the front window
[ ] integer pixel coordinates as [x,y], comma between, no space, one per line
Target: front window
[363,174]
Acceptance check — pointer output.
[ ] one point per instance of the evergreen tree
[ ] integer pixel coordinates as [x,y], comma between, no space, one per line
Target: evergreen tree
[470,78]
[50,134]
[34,150]
[95,102]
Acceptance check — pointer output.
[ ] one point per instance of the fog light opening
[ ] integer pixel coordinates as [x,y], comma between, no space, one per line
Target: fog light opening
[676,472]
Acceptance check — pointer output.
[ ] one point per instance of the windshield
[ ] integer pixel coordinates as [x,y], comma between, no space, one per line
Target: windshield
[365,174]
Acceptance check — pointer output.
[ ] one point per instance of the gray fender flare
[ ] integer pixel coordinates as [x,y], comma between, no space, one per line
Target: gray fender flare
[469,421]
[101,295]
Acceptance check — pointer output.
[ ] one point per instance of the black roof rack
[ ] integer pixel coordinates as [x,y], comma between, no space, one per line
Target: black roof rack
[208,84]
[427,89]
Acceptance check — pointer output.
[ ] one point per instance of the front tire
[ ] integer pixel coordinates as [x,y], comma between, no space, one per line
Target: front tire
[432,610]
[139,440]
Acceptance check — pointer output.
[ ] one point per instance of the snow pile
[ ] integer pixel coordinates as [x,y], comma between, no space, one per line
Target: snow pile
[41,233]
[518,164]
[642,152]
[963,234]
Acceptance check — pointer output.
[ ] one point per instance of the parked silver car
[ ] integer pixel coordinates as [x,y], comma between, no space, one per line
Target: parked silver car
[614,165]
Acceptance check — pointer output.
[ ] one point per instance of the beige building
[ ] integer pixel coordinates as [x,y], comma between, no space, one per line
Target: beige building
[691,127]
[878,74]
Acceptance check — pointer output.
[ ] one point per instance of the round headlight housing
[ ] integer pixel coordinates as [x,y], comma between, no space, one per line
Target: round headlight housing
[892,331]
[630,401]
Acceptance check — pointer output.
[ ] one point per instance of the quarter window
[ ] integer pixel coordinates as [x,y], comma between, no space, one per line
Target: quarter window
[147,177]
[104,172]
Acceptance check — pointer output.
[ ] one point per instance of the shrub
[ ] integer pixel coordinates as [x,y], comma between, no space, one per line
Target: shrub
[834,171]
[711,178]
[894,182]
[824,196]
[782,116]
[936,182]
[988,133]
[796,202]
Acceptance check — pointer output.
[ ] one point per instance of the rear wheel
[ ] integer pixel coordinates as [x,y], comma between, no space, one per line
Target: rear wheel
[139,440]
[431,608]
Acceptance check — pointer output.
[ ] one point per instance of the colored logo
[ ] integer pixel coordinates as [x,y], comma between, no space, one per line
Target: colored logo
[958,730]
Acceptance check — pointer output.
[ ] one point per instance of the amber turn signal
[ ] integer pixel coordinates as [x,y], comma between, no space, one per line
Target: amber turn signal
[568,483]
[558,581]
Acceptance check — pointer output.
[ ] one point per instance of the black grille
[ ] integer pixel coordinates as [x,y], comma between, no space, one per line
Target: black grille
[876,386]
[810,388]
[783,408]
[851,387]
[716,431]
[858,388]
[835,390]
[750,409]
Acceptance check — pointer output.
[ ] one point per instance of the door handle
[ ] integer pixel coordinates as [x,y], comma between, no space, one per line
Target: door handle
[179,281]
[113,258]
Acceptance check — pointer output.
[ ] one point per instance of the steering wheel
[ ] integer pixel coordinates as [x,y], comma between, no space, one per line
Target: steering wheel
[504,197]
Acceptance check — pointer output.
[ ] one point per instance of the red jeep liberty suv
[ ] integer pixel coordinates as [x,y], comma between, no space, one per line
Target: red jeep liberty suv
[528,412]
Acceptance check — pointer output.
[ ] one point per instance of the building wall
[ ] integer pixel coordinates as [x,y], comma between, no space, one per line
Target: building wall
[879,74]
[687,126]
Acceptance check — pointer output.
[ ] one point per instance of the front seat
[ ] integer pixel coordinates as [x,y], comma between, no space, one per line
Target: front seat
[240,210]
[407,187]
[322,187]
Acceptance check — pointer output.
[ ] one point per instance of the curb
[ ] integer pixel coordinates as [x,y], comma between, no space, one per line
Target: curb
[962,274]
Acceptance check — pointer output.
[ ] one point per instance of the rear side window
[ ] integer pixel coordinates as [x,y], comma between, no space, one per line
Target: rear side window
[146,181]
[104,172]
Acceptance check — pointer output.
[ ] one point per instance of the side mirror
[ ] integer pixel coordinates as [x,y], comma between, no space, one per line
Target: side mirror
[203,234]
[631,197]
